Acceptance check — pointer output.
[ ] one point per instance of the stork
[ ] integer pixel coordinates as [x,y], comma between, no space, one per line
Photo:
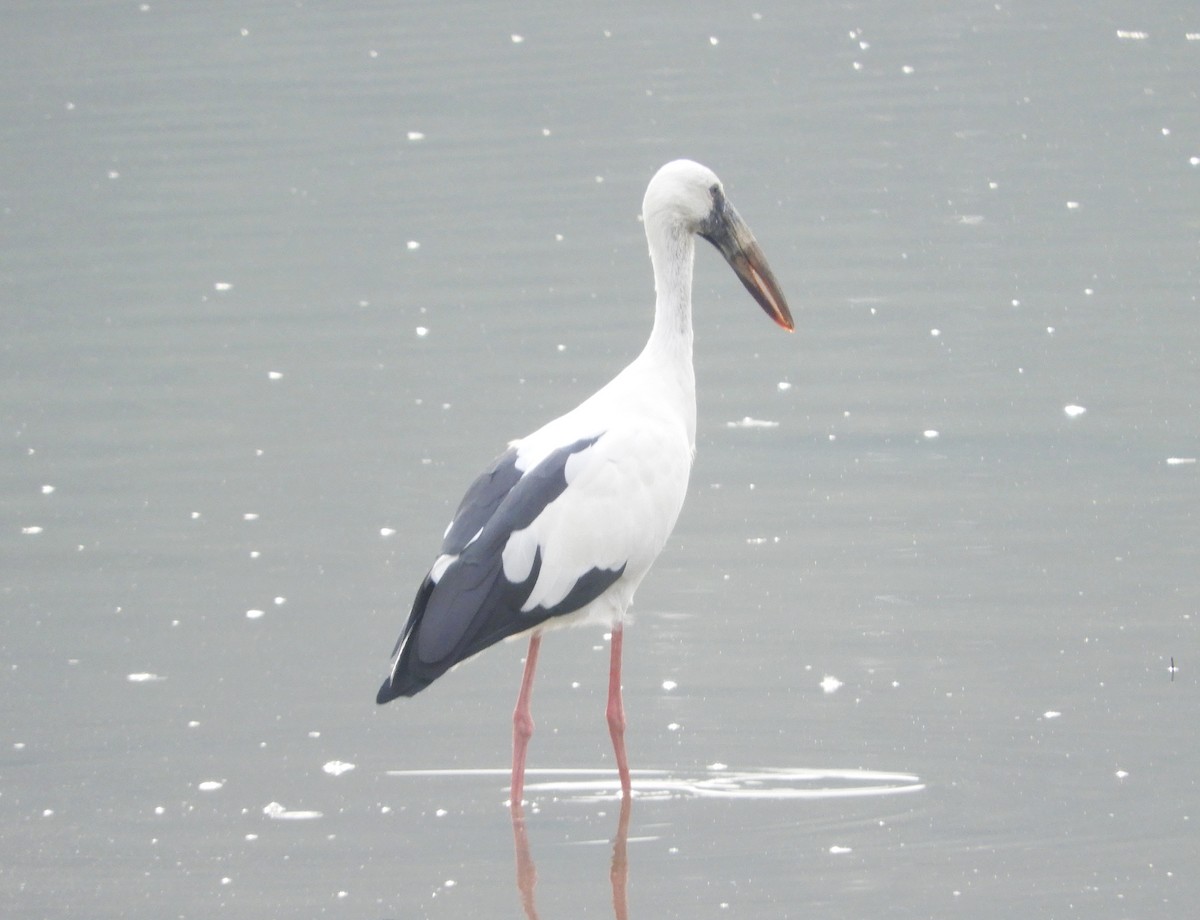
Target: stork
[563,526]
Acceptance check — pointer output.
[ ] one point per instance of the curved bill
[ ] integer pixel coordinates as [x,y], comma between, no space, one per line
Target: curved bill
[726,230]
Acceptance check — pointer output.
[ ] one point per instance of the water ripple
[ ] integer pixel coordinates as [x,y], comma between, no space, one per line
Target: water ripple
[768,783]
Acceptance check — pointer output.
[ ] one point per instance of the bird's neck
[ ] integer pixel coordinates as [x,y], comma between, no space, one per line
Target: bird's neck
[672,252]
[663,371]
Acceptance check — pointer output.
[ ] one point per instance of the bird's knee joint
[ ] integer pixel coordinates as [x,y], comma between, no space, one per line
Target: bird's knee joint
[522,726]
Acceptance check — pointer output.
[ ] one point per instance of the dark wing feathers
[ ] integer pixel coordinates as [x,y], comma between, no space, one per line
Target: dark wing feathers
[481,501]
[473,605]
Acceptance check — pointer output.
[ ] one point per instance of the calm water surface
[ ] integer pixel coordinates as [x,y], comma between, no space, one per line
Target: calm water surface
[278,279]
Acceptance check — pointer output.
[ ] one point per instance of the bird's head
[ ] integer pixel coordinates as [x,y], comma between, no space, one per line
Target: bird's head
[681,195]
[685,196]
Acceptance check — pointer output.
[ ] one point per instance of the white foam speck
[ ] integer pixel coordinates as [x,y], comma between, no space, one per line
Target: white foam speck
[669,685]
[278,812]
[412,244]
[422,331]
[337,767]
[748,422]
[517,39]
[1051,714]
[673,726]
[1121,774]
[386,531]
[1180,461]
[274,375]
[222,286]
[930,433]
[250,516]
[416,136]
[717,766]
[1074,411]
[441,813]
[143,677]
[1131,35]
[210,785]
[253,614]
[713,40]
[838,851]
[783,386]
[46,490]
[830,684]
[32,530]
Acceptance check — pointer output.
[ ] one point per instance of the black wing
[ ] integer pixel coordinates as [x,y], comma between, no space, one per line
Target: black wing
[472,604]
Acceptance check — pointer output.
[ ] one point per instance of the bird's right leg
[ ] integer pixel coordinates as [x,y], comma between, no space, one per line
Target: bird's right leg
[616,710]
[523,723]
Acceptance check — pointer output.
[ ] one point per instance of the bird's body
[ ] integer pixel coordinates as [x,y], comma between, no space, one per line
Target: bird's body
[566,523]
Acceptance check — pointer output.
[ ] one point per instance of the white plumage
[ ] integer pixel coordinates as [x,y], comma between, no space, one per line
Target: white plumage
[566,523]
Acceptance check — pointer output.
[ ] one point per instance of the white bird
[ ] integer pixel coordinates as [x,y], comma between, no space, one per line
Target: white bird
[564,525]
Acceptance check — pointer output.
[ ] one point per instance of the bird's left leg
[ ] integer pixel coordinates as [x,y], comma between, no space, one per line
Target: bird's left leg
[523,723]
[616,710]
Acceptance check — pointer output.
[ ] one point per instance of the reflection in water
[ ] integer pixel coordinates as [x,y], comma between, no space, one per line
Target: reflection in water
[600,785]
[526,870]
[618,872]
[596,785]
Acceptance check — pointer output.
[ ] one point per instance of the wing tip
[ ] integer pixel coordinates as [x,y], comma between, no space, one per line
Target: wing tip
[392,688]
[386,693]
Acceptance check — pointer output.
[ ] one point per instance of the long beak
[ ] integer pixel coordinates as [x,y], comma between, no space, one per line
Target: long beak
[726,230]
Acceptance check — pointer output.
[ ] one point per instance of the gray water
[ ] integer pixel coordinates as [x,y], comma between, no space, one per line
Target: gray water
[279,278]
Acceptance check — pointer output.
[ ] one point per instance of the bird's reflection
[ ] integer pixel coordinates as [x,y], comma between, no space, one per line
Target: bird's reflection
[527,870]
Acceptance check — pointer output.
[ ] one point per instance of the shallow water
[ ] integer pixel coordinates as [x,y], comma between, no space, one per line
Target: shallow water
[279,280]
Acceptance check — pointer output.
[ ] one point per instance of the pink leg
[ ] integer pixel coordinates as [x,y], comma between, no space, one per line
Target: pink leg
[526,870]
[618,875]
[616,711]
[523,723]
